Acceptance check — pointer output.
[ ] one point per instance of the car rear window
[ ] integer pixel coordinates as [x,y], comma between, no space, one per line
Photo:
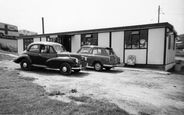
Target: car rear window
[110,51]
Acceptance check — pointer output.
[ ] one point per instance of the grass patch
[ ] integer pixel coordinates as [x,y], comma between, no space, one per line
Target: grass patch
[7,48]
[19,95]
[5,57]
[94,106]
[3,47]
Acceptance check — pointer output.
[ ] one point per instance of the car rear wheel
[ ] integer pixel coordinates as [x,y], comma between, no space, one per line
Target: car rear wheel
[98,66]
[65,69]
[25,65]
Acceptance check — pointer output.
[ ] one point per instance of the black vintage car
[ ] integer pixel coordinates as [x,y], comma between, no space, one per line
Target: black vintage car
[99,57]
[51,55]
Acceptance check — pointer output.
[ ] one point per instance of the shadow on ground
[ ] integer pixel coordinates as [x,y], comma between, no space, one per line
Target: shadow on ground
[49,72]
[112,71]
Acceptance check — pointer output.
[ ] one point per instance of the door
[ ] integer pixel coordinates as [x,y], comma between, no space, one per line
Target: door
[99,54]
[65,40]
[33,53]
[47,52]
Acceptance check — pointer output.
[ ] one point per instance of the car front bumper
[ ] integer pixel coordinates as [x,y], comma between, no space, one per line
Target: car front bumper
[81,66]
[78,68]
[114,65]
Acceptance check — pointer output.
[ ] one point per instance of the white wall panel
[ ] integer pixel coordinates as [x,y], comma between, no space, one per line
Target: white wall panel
[36,39]
[118,44]
[76,39]
[140,55]
[156,46]
[170,53]
[20,46]
[103,39]
[43,39]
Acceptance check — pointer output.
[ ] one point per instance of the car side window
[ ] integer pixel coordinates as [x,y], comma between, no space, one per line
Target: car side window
[97,52]
[34,48]
[104,53]
[44,49]
[47,49]
[110,51]
[51,50]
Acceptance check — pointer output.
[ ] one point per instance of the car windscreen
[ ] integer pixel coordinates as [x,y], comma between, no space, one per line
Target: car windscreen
[84,50]
[59,48]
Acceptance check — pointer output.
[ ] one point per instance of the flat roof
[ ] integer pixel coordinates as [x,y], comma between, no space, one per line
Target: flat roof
[94,46]
[112,29]
[46,43]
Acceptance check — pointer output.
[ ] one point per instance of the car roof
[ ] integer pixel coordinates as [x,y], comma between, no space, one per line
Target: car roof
[94,46]
[46,43]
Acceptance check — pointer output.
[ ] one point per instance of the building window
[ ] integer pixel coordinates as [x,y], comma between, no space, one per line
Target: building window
[174,42]
[51,39]
[136,39]
[89,39]
[27,41]
[169,44]
[171,40]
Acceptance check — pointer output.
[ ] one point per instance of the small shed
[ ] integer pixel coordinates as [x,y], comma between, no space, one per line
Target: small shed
[152,45]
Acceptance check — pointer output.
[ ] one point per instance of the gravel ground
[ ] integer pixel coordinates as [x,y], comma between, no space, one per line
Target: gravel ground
[138,91]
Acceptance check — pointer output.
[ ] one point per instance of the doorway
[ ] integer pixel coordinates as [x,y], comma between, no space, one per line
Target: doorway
[65,40]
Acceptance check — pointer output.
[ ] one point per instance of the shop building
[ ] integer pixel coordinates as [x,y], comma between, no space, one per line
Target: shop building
[152,45]
[8,34]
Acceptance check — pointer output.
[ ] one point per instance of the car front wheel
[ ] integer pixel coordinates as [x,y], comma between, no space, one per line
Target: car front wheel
[65,69]
[25,65]
[98,66]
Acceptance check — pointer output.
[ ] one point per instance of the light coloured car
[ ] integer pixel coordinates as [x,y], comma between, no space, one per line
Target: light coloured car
[99,57]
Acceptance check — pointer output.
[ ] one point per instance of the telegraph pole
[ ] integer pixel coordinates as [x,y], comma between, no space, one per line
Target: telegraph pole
[43,25]
[159,14]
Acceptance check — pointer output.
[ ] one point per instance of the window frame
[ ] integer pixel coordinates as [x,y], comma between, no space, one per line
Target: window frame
[130,34]
[26,42]
[92,37]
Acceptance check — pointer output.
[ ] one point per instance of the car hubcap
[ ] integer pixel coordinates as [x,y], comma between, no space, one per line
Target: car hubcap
[24,65]
[98,66]
[64,69]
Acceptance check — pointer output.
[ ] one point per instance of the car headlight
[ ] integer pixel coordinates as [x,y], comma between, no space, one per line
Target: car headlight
[76,60]
[84,58]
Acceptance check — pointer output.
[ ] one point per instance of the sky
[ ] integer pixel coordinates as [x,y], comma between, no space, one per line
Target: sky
[73,15]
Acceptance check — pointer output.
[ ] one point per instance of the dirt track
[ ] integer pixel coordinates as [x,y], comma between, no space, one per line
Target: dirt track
[136,91]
